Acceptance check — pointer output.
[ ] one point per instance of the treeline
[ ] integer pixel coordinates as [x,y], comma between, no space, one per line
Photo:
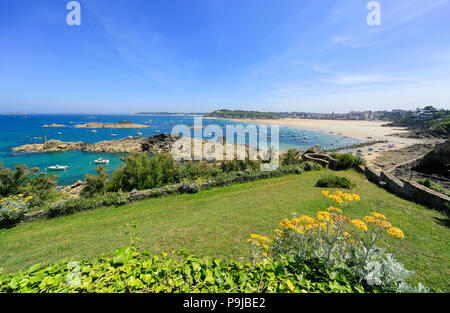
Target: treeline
[438,125]
[245,114]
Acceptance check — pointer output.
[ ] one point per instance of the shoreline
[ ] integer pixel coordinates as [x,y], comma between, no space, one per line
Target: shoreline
[356,129]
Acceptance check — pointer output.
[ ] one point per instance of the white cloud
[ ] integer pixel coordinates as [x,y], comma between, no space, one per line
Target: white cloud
[355,79]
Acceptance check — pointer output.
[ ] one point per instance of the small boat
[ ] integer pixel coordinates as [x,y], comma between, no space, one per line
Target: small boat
[139,133]
[94,131]
[58,168]
[59,133]
[113,135]
[101,161]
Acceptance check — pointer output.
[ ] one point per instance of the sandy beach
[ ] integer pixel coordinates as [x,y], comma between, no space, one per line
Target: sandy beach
[362,130]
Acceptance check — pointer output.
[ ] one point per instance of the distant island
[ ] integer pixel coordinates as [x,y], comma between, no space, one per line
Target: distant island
[123,124]
[53,125]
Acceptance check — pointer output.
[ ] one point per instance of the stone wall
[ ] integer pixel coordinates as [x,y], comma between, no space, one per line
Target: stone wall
[323,159]
[409,190]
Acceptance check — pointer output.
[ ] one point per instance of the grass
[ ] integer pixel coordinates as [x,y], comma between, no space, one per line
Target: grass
[217,223]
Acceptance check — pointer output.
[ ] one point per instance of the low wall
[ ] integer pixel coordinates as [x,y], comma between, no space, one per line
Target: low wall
[323,159]
[409,190]
[372,175]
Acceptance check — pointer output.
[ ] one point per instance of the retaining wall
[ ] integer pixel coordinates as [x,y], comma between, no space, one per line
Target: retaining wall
[410,190]
[323,159]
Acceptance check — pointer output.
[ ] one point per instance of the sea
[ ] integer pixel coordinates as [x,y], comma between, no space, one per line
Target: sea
[16,130]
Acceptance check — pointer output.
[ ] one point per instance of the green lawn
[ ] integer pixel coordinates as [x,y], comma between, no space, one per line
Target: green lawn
[217,223]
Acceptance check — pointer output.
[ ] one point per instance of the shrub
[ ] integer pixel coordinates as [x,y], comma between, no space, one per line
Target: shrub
[141,172]
[311,166]
[347,160]
[70,206]
[193,170]
[131,270]
[333,181]
[96,184]
[188,187]
[291,157]
[12,210]
[239,165]
[28,182]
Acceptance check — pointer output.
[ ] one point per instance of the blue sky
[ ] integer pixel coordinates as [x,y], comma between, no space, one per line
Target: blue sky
[196,56]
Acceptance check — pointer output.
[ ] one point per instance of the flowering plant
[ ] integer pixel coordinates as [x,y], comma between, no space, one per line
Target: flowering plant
[13,209]
[339,241]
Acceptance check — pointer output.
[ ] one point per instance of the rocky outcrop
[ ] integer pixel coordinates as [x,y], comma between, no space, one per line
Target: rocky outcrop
[74,190]
[124,124]
[161,143]
[53,125]
[391,158]
[323,159]
[313,149]
[51,146]
[157,144]
[436,161]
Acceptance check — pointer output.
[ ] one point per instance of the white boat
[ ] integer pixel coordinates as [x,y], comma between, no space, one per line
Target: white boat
[113,135]
[94,131]
[58,168]
[139,133]
[101,161]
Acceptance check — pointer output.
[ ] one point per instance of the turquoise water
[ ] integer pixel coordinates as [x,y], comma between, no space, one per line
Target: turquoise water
[16,130]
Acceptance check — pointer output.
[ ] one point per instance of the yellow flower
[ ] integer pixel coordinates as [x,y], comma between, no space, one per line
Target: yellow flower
[346,234]
[396,232]
[323,216]
[359,224]
[383,224]
[325,193]
[378,215]
[369,219]
[333,209]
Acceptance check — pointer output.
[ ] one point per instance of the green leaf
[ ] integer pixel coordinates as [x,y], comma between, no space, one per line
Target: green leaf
[290,285]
